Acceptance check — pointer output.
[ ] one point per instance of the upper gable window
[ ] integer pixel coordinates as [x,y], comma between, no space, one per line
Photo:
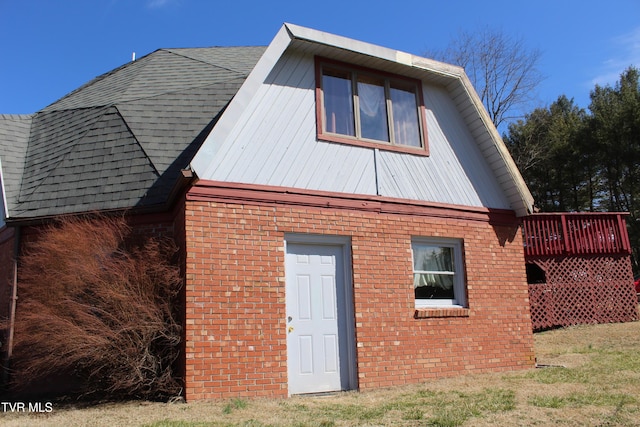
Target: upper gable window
[363,107]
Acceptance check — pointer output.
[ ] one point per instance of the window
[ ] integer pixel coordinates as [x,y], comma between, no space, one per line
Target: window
[438,278]
[362,107]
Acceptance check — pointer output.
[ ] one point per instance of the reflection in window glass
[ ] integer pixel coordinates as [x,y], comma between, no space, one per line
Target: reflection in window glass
[338,102]
[433,272]
[373,109]
[406,130]
[367,106]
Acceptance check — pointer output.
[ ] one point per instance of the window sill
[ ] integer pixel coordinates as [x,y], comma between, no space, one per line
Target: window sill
[326,137]
[434,312]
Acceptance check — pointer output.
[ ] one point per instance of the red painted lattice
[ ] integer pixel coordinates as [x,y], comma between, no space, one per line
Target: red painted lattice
[583,290]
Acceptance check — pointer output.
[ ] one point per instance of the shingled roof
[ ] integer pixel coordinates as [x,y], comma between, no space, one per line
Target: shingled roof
[121,140]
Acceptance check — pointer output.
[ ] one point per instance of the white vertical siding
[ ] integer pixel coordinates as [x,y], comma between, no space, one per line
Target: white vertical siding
[274,143]
[455,171]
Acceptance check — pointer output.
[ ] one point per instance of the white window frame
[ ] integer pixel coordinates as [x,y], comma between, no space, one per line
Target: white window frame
[459,288]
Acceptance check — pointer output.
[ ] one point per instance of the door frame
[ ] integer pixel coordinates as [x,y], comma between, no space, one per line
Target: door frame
[349,379]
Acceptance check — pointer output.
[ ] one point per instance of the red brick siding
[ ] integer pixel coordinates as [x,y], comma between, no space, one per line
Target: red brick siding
[235,298]
[144,227]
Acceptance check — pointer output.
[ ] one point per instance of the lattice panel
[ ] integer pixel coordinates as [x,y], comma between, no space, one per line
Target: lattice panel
[583,290]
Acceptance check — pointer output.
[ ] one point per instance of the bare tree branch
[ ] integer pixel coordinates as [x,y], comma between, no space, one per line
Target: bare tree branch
[502,69]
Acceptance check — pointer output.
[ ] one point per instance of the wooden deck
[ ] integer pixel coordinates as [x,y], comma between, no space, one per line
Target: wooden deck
[576,233]
[583,265]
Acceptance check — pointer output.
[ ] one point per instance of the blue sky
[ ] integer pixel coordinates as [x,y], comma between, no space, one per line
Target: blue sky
[49,47]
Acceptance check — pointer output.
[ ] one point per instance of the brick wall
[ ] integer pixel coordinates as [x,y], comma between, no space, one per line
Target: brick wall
[235,297]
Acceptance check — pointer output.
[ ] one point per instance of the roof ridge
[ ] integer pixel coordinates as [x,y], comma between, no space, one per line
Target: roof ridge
[101,77]
[135,137]
[17,116]
[214,47]
[177,90]
[24,198]
[204,62]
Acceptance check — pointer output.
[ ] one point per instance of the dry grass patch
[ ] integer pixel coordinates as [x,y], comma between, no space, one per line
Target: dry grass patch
[595,382]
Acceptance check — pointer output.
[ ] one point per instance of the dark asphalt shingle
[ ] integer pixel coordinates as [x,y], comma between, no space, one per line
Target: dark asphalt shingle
[120,140]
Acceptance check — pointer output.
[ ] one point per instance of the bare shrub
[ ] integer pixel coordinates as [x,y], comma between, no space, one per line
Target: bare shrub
[102,310]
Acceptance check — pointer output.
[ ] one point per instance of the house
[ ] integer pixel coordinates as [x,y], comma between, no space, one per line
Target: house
[348,216]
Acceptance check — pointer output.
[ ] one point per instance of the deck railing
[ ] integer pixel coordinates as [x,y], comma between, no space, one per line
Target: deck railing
[575,234]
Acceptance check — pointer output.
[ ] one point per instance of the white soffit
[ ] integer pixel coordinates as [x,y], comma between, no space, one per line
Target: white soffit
[343,48]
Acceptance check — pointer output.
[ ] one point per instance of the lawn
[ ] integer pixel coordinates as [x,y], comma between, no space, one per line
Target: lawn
[590,376]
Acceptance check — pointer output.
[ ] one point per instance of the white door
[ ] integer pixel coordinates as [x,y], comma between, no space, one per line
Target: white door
[317,356]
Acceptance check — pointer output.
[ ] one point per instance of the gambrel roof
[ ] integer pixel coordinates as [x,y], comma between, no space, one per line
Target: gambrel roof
[120,140]
[476,154]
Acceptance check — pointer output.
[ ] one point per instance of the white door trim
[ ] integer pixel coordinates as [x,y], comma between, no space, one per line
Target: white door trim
[347,325]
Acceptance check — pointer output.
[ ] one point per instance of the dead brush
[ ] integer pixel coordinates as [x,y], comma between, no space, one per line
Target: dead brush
[94,305]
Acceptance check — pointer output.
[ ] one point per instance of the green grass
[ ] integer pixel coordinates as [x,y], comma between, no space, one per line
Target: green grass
[582,399]
[234,404]
[435,408]
[599,385]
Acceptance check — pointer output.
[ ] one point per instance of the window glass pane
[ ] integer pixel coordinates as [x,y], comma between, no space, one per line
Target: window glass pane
[373,109]
[338,102]
[433,276]
[432,258]
[406,129]
[433,286]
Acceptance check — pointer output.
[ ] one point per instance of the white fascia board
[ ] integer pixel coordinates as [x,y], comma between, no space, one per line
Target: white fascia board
[201,162]
[340,42]
[363,48]
[526,199]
